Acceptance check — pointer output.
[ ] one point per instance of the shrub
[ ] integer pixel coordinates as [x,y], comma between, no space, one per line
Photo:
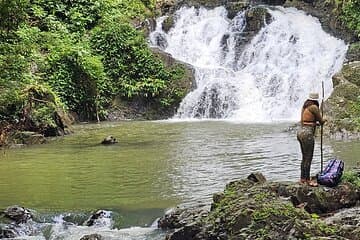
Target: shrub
[351,14]
[134,71]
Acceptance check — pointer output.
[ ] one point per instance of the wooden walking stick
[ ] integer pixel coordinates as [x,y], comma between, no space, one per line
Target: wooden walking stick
[321,126]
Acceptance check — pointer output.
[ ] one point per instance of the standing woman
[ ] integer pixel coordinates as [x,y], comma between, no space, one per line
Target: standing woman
[310,116]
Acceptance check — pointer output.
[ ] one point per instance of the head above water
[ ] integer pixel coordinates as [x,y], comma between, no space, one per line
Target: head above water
[313,96]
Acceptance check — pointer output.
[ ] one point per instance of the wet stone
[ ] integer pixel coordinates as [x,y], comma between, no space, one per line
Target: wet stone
[109,140]
[94,236]
[18,214]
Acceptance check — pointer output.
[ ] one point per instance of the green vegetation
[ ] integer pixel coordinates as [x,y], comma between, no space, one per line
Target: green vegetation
[83,52]
[351,177]
[351,14]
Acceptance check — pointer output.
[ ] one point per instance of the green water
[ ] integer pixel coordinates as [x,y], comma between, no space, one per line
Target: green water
[155,165]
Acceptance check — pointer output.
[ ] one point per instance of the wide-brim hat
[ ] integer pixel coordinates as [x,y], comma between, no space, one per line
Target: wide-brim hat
[313,96]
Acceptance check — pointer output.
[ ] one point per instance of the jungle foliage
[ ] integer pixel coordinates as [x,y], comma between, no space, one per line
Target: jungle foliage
[85,52]
[349,12]
[351,15]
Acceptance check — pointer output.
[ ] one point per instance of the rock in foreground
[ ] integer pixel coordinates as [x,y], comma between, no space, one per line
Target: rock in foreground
[250,209]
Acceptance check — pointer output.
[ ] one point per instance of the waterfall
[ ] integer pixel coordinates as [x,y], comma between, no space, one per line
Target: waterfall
[267,80]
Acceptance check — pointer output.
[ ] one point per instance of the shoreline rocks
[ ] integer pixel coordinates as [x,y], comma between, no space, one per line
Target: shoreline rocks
[253,208]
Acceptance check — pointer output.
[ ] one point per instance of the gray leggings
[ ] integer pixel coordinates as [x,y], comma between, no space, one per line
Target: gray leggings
[305,136]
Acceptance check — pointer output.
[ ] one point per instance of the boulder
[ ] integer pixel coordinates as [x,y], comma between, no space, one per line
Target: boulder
[18,214]
[109,140]
[95,217]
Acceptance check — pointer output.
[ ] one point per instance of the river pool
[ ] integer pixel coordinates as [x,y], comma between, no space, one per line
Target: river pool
[156,165]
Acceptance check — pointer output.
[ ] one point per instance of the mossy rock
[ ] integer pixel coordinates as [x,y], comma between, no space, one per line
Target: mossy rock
[347,91]
[342,108]
[233,7]
[353,53]
[256,19]
[168,23]
[351,72]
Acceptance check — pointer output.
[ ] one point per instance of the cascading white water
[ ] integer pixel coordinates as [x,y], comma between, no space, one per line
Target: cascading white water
[268,81]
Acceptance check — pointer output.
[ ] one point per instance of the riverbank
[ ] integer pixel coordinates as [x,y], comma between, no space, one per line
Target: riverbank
[254,208]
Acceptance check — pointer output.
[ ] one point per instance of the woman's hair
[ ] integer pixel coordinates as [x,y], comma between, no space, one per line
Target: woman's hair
[309,102]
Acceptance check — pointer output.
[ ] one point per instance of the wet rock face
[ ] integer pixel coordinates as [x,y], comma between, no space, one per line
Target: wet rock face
[281,210]
[329,18]
[339,107]
[324,10]
[168,23]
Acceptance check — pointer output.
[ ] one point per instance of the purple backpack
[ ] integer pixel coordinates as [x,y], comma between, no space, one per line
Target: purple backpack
[332,173]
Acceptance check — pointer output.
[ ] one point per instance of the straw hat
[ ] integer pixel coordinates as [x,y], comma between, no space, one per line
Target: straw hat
[313,96]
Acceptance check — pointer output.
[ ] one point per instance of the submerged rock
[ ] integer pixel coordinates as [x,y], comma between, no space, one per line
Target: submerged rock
[253,208]
[329,16]
[109,140]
